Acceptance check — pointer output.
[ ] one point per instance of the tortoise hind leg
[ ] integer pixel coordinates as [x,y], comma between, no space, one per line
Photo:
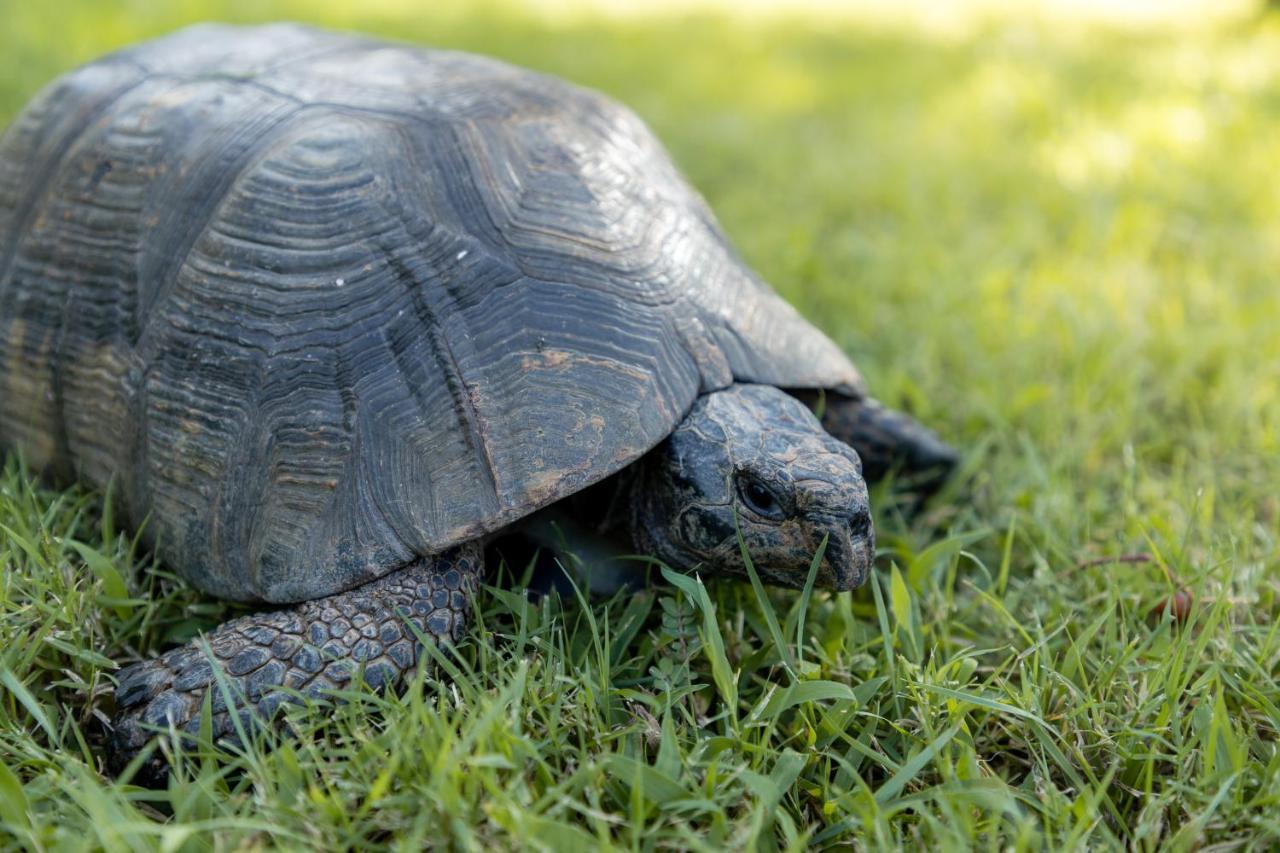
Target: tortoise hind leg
[890,441]
[310,648]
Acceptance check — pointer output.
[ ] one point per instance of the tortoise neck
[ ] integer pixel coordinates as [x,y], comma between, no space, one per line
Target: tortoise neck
[606,508]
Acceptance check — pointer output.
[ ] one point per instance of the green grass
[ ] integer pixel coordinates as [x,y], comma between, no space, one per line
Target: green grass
[1056,243]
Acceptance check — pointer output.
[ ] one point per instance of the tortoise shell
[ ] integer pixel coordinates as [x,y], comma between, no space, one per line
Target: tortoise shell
[319,304]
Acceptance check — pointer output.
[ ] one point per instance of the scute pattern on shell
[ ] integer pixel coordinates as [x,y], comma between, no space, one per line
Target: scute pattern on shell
[321,304]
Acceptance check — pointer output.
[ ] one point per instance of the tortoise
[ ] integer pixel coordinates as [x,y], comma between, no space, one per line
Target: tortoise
[331,313]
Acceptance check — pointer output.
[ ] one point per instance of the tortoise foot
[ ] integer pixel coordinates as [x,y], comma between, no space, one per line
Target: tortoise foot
[890,441]
[250,667]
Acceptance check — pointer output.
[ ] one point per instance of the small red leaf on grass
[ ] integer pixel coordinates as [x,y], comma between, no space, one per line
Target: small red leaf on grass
[1178,605]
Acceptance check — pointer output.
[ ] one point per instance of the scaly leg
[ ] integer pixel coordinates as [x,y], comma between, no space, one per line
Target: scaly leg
[890,441]
[309,648]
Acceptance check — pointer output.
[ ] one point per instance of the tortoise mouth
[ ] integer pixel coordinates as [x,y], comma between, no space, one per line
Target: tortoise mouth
[846,563]
[851,551]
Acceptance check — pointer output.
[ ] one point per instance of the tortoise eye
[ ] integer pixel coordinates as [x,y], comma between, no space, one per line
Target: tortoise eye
[759,498]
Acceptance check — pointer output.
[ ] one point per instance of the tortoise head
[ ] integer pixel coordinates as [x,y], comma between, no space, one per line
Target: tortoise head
[755,455]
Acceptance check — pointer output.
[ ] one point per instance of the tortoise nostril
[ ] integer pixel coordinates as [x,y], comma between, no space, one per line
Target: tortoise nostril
[860,524]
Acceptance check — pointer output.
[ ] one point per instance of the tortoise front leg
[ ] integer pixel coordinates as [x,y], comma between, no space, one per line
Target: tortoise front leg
[889,441]
[310,648]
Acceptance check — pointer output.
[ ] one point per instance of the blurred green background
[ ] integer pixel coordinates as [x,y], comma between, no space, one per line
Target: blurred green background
[1049,229]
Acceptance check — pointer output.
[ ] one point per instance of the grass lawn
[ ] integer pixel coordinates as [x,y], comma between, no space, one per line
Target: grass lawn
[1058,243]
